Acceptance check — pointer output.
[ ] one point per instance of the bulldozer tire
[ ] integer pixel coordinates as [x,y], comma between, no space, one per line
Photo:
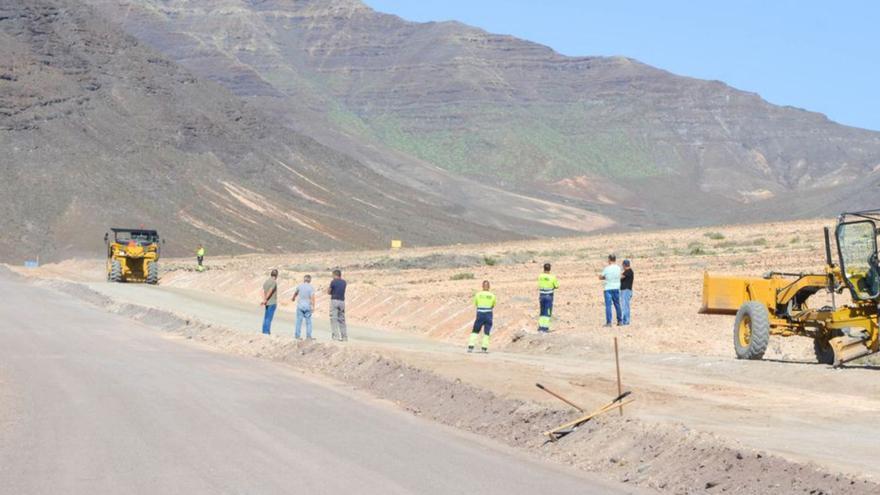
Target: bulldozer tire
[153,274]
[751,331]
[115,271]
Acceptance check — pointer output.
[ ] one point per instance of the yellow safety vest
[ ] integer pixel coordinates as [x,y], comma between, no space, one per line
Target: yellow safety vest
[484,301]
[547,283]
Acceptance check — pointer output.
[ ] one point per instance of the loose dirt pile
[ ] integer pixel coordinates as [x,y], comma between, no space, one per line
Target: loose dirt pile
[668,458]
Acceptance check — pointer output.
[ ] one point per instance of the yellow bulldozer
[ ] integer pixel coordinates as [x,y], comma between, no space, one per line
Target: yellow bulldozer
[133,255]
[778,303]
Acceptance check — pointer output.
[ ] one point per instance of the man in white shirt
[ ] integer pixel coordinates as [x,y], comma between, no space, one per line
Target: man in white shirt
[611,275]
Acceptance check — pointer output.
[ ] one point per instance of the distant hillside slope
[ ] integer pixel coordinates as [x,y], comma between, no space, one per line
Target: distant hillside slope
[99,131]
[604,131]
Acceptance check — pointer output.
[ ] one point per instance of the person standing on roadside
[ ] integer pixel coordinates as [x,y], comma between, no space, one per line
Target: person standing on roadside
[200,258]
[304,307]
[485,303]
[626,291]
[270,300]
[337,307]
[547,285]
[612,275]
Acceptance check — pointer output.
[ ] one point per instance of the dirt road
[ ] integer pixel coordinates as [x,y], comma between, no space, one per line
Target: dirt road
[95,403]
[783,407]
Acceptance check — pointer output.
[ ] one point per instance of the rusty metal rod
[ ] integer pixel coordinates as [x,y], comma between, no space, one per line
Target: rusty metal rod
[563,399]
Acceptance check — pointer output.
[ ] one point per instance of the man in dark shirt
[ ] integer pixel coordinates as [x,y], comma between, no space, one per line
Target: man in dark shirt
[337,307]
[626,292]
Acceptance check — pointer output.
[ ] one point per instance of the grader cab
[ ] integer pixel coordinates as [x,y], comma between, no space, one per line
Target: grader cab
[778,303]
[133,255]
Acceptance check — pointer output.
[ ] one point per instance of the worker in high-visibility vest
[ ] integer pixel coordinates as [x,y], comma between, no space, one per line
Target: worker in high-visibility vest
[485,303]
[200,258]
[547,285]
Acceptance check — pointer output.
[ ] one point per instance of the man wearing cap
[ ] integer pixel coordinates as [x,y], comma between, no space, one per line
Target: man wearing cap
[626,291]
[547,285]
[611,275]
[270,300]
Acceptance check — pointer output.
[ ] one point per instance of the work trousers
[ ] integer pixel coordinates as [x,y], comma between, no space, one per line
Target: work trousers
[483,322]
[545,302]
[267,318]
[337,320]
[612,297]
[303,314]
[625,298]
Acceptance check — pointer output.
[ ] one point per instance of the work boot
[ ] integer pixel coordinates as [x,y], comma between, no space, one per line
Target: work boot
[485,351]
[470,348]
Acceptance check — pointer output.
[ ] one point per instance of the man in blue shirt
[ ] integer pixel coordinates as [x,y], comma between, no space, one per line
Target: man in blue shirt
[611,275]
[306,295]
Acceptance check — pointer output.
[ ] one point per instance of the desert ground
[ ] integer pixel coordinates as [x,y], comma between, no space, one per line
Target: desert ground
[702,421]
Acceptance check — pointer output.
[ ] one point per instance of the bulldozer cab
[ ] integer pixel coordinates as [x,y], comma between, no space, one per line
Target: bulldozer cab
[856,236]
[141,237]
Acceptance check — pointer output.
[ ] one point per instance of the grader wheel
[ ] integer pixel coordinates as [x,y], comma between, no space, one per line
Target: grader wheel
[751,331]
[153,274]
[115,271]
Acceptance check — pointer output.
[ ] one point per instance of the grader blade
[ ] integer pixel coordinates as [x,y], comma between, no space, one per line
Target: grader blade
[848,348]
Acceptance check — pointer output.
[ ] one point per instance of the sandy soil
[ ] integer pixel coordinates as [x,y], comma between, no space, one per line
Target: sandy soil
[678,362]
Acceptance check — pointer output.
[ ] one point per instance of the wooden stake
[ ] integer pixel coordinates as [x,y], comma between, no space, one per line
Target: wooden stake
[553,434]
[617,365]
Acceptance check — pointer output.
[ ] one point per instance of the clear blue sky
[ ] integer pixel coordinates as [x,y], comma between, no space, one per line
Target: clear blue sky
[819,55]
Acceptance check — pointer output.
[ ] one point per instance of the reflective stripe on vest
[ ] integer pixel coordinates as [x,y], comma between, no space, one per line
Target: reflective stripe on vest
[547,283]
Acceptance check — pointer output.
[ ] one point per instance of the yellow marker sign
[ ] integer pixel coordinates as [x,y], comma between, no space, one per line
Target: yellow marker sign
[396,244]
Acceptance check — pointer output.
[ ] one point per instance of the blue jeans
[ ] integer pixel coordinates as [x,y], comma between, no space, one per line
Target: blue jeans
[267,318]
[625,297]
[612,297]
[303,314]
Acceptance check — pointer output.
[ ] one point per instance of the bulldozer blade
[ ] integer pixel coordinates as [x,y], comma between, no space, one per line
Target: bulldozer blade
[848,348]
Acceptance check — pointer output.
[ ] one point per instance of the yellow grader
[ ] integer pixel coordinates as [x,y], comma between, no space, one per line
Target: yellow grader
[777,304]
[133,255]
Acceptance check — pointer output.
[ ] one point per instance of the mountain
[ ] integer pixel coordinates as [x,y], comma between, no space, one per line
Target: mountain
[99,130]
[283,125]
[611,134]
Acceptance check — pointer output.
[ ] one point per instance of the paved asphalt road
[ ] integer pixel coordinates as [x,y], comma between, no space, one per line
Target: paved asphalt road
[92,403]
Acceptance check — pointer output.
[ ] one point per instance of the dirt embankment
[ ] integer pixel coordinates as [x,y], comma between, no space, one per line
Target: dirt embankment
[668,458]
[428,291]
